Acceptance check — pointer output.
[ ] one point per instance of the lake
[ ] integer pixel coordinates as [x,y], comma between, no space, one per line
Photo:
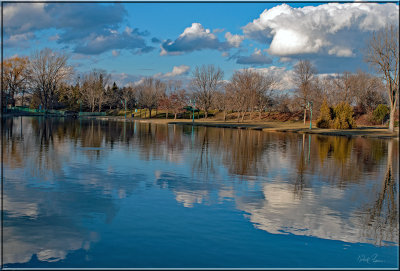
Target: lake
[88,193]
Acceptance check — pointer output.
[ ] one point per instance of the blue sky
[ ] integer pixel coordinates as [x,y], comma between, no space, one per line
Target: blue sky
[168,40]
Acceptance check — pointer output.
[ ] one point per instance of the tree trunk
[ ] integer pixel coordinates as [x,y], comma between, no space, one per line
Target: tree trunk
[238,116]
[150,112]
[224,115]
[251,114]
[13,100]
[11,97]
[166,115]
[22,100]
[175,116]
[259,116]
[391,119]
[205,113]
[243,113]
[305,115]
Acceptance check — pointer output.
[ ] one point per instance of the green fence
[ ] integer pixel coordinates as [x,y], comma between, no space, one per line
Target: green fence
[52,112]
[36,111]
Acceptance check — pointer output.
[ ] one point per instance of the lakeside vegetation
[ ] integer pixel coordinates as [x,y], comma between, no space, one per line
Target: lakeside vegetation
[45,81]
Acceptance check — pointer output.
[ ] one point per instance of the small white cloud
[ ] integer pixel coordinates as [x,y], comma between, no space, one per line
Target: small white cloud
[138,82]
[176,71]
[234,40]
[115,53]
[341,52]
[124,79]
[195,38]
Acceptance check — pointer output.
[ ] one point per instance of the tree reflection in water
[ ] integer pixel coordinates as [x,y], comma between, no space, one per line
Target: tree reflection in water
[383,212]
[301,166]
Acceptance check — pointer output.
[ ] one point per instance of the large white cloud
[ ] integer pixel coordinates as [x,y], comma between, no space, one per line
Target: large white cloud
[332,29]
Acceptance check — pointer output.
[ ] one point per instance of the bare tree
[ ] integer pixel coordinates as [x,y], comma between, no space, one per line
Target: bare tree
[164,103]
[383,55]
[179,99]
[367,91]
[250,90]
[173,85]
[303,75]
[149,93]
[221,101]
[238,91]
[344,84]
[265,92]
[206,81]
[174,98]
[47,70]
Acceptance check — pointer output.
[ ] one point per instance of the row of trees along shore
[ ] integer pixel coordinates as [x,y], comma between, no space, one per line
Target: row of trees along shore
[46,80]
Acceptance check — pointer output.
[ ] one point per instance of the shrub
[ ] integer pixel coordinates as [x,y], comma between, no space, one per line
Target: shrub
[325,116]
[340,117]
[380,113]
[343,116]
[321,123]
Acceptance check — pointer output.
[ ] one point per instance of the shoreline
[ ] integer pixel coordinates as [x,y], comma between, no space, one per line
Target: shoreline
[265,126]
[273,126]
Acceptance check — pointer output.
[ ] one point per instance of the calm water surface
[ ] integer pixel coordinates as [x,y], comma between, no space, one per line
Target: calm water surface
[86,193]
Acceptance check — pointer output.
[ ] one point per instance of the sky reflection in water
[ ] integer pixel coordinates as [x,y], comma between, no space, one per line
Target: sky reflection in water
[85,193]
